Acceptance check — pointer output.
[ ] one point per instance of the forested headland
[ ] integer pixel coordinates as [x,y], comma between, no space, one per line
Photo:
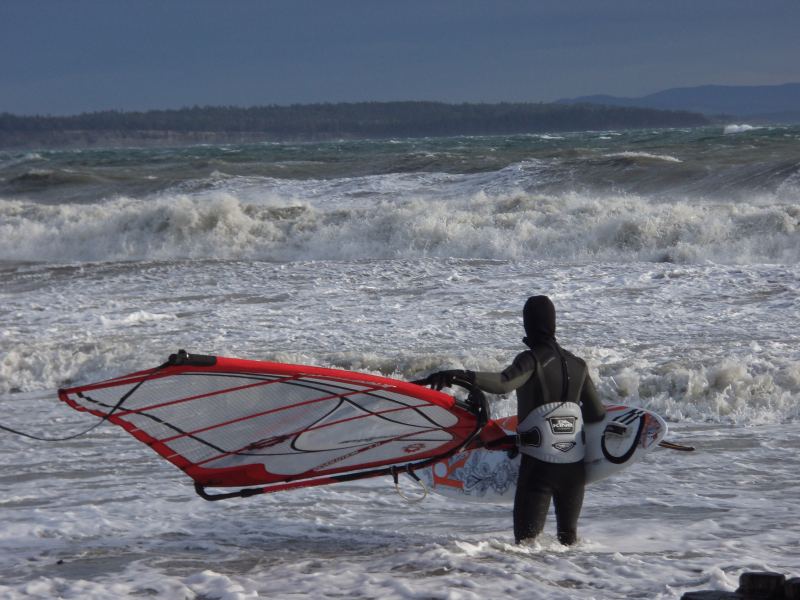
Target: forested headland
[362,120]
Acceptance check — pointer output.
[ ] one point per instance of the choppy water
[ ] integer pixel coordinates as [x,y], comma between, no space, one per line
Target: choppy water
[672,257]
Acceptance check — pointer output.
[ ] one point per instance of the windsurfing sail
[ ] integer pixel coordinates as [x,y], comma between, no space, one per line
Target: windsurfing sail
[229,422]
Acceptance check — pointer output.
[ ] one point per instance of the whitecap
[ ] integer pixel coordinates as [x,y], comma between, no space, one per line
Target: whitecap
[646,155]
[738,128]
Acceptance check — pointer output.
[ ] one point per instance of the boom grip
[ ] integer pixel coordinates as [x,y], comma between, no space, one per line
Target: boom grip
[476,401]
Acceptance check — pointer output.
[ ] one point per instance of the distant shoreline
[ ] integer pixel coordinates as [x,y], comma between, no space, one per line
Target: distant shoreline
[323,122]
[66,139]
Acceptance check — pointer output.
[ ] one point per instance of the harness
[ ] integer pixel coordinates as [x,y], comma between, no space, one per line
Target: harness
[553,432]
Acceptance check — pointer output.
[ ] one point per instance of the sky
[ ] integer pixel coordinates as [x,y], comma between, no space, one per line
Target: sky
[71,56]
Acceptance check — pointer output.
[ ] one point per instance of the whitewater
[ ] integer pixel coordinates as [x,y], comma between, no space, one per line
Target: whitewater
[671,255]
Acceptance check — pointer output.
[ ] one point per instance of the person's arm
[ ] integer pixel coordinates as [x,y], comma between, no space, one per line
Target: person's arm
[511,378]
[592,409]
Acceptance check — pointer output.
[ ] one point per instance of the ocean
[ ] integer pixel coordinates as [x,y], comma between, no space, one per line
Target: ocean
[672,258]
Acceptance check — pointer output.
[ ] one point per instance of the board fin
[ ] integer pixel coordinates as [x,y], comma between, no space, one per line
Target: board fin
[674,446]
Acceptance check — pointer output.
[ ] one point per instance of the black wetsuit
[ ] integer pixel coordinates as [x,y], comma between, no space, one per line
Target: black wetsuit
[537,375]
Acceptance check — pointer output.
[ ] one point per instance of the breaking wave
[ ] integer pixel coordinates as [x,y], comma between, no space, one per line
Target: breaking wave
[511,225]
[741,391]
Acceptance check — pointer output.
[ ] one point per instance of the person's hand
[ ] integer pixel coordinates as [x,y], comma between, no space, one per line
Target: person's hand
[443,379]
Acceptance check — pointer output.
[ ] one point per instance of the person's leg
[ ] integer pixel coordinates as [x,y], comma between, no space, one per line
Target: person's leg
[531,501]
[568,500]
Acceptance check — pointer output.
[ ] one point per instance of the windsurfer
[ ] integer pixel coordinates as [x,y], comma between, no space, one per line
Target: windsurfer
[555,397]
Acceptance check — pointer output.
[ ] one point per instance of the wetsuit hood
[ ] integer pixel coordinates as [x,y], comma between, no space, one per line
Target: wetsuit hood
[539,318]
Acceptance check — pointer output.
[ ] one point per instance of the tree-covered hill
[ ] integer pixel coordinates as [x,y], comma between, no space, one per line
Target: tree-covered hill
[331,121]
[770,103]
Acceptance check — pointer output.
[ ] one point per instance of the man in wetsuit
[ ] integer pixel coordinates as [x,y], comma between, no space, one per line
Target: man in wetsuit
[555,397]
